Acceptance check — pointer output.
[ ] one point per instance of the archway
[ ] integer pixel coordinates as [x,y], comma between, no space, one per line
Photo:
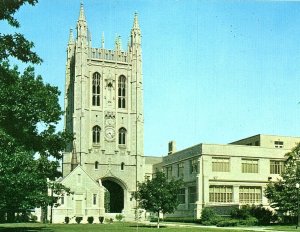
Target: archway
[114,198]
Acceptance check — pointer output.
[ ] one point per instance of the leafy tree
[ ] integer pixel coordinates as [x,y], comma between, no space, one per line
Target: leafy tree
[282,193]
[158,195]
[29,114]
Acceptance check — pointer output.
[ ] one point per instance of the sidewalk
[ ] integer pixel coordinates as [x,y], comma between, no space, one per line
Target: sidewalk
[177,224]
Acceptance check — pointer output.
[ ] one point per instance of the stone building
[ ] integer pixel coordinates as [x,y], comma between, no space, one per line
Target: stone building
[104,111]
[224,176]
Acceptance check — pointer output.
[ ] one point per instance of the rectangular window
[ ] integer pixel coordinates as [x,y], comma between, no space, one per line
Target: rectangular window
[94,199]
[276,167]
[250,195]
[169,172]
[220,164]
[249,166]
[180,169]
[192,194]
[193,166]
[62,200]
[220,194]
[181,196]
[278,144]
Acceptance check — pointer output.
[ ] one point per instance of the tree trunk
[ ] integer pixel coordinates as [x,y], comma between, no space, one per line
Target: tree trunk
[158,220]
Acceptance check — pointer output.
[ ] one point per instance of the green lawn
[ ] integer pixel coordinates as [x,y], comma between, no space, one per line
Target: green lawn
[115,227]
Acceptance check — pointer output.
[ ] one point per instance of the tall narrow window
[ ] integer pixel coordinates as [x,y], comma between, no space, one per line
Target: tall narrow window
[122,166]
[122,92]
[122,136]
[94,199]
[96,89]
[96,165]
[62,199]
[96,134]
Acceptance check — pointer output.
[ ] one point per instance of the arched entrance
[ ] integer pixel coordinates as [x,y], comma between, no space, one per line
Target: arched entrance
[114,198]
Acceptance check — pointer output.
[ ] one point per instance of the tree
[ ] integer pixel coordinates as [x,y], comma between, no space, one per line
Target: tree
[158,195]
[30,147]
[282,193]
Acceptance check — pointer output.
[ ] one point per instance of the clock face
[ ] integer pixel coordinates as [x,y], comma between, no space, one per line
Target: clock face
[110,133]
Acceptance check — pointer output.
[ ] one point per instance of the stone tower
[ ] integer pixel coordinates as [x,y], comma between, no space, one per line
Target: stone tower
[104,111]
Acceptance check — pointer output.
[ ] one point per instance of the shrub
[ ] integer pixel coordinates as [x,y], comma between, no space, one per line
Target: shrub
[119,217]
[67,220]
[250,221]
[78,219]
[209,217]
[185,220]
[33,218]
[243,213]
[90,220]
[101,219]
[227,222]
[264,216]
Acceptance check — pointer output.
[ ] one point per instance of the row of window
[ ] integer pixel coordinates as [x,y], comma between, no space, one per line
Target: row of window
[224,194]
[121,135]
[223,165]
[122,166]
[192,195]
[96,87]
[94,199]
[248,165]
[193,166]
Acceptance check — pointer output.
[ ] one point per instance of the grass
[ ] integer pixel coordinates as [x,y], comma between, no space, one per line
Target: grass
[114,227]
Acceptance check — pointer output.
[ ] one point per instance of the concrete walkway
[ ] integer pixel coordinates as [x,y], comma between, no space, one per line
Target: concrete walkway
[177,224]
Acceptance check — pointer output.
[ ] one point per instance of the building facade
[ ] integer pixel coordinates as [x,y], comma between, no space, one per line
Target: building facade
[226,176]
[104,112]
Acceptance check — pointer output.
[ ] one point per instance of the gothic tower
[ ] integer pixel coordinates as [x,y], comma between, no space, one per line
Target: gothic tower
[104,111]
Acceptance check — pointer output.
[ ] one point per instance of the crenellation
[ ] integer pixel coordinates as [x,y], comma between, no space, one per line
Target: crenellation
[109,55]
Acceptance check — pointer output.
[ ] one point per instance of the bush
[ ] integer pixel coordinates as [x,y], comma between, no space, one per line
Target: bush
[250,221]
[242,214]
[227,223]
[209,217]
[184,220]
[78,219]
[101,219]
[264,216]
[90,220]
[67,220]
[119,217]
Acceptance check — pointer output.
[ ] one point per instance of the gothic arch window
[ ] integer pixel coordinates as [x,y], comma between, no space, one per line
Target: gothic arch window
[122,136]
[96,165]
[122,165]
[96,89]
[96,134]
[122,92]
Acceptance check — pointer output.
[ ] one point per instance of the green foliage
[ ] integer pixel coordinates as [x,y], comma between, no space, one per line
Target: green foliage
[29,114]
[250,221]
[101,219]
[242,213]
[209,217]
[119,217]
[67,220]
[158,194]
[282,193]
[78,219]
[227,223]
[181,219]
[90,220]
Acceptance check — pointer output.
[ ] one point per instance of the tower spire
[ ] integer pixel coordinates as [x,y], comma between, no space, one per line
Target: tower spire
[102,40]
[71,38]
[81,13]
[135,21]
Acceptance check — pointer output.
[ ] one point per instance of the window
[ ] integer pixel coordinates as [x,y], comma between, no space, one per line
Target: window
[278,144]
[94,199]
[220,164]
[96,134]
[250,195]
[194,166]
[192,194]
[62,200]
[169,172]
[181,196]
[249,166]
[79,178]
[276,167]
[122,92]
[180,169]
[96,165]
[122,136]
[96,89]
[122,166]
[220,194]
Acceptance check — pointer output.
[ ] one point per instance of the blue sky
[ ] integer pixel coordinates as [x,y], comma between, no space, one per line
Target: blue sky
[214,71]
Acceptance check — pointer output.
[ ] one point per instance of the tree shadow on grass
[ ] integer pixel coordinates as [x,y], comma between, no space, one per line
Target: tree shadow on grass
[24,229]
